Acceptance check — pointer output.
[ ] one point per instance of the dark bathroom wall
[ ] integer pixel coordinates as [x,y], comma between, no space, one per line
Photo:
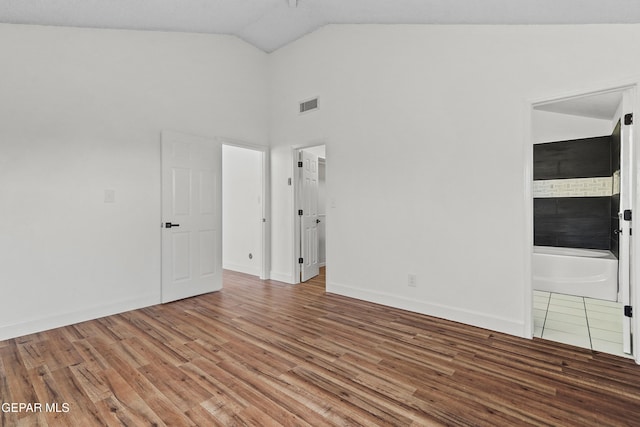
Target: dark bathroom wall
[579,158]
[575,222]
[615,225]
[615,199]
[572,222]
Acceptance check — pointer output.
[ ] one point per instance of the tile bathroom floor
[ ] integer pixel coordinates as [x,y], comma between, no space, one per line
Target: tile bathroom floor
[579,321]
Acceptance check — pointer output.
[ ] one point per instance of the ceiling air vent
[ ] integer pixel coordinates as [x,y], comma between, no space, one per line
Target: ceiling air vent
[309,105]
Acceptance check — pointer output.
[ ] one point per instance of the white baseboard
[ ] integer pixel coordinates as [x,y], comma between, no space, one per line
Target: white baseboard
[281,277]
[456,314]
[70,318]
[241,269]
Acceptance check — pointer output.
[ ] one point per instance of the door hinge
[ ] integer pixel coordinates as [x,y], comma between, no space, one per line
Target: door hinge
[300,261]
[300,212]
[627,215]
[299,164]
[628,311]
[628,119]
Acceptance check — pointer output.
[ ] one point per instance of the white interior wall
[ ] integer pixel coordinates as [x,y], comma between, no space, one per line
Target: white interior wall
[283,244]
[427,129]
[82,112]
[241,209]
[318,150]
[551,127]
[617,116]
[425,126]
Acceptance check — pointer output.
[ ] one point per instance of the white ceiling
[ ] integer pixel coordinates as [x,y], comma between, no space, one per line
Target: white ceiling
[602,106]
[270,24]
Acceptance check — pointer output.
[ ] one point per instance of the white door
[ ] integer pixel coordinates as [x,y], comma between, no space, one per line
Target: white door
[626,200]
[191,216]
[309,218]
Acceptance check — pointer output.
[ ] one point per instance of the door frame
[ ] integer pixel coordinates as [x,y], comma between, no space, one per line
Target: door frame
[529,105]
[323,162]
[297,202]
[265,266]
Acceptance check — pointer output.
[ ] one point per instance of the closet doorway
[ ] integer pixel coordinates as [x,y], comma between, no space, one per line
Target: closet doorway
[310,210]
[245,245]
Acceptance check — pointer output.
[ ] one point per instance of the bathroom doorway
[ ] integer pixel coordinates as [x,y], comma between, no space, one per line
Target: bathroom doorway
[581,208]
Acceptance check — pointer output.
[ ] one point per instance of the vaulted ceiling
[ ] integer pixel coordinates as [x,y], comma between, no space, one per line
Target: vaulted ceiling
[270,24]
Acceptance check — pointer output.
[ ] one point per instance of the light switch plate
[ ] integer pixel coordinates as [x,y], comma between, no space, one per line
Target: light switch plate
[109,196]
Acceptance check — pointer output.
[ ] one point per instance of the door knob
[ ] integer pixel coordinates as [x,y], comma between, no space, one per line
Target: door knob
[317,221]
[169,225]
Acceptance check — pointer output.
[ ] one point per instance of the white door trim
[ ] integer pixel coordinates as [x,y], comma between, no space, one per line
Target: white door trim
[529,105]
[265,267]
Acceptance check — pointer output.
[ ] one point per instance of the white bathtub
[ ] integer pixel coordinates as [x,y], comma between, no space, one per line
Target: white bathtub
[589,273]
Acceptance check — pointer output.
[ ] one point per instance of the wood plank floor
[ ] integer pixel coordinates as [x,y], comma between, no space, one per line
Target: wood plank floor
[264,353]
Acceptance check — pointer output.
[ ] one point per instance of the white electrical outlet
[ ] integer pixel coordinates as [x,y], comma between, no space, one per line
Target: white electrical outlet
[412,281]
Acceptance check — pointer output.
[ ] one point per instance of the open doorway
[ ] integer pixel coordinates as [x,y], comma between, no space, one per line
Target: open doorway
[310,209]
[582,198]
[244,219]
